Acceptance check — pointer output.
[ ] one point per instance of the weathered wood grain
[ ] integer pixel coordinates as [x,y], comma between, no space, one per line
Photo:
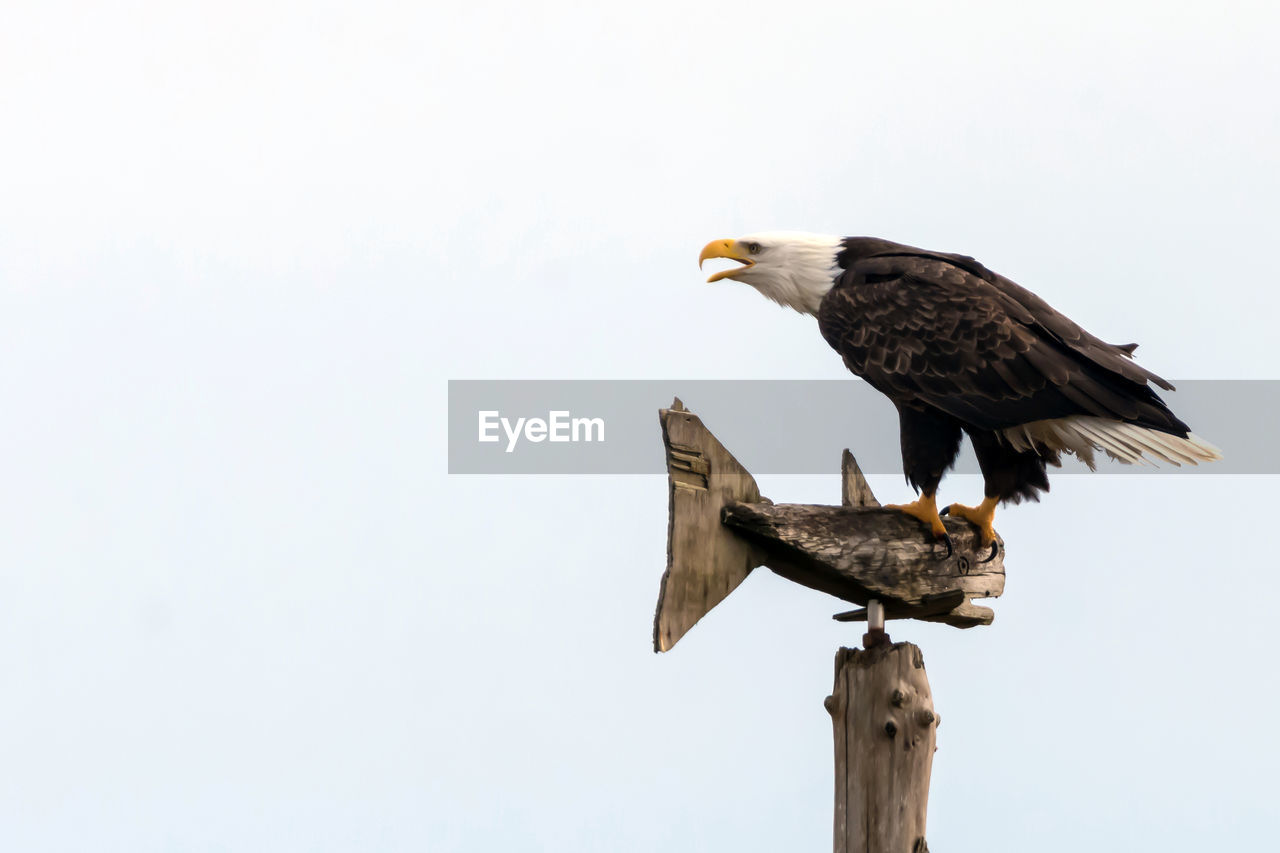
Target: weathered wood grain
[720,528]
[885,734]
[705,560]
[854,490]
[860,554]
[951,608]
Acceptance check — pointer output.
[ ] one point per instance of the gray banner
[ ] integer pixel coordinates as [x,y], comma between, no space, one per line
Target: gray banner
[777,427]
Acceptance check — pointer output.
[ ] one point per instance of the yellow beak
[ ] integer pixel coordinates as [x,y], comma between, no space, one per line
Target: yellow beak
[725,249]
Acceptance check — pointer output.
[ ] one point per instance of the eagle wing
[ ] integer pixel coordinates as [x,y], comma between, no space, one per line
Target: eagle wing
[943,331]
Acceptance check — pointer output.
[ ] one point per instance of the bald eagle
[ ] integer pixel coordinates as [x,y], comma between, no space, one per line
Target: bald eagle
[962,350]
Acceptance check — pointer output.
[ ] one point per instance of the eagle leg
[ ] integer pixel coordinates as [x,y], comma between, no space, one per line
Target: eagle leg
[981,517]
[925,509]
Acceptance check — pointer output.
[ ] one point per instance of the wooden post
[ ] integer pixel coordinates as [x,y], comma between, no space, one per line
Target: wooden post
[884,723]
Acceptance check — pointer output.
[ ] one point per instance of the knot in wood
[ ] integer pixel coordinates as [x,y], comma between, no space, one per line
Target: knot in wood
[899,698]
[925,717]
[891,728]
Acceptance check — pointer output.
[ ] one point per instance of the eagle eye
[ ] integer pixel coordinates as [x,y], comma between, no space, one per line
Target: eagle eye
[753,248]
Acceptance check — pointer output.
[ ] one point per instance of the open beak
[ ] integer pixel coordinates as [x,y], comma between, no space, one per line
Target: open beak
[725,249]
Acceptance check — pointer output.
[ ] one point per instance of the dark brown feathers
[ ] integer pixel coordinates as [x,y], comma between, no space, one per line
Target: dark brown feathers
[942,331]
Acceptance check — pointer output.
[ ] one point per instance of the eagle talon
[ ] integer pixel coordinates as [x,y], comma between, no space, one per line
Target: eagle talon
[951,548]
[979,516]
[946,510]
[925,510]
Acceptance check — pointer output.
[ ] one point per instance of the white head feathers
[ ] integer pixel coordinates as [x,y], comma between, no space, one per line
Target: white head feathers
[792,268]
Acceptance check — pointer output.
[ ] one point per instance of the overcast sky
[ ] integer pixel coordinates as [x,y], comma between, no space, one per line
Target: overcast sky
[243,246]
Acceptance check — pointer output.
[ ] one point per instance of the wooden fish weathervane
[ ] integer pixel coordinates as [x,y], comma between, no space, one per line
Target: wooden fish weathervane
[720,528]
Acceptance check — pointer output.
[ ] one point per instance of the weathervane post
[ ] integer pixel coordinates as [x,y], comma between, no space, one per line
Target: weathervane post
[720,528]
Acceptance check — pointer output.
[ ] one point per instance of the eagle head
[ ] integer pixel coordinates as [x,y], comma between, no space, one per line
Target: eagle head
[792,268]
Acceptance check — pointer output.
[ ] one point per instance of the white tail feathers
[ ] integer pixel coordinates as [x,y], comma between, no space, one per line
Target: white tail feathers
[1129,443]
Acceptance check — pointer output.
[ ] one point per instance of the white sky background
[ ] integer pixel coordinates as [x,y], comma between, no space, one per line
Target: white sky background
[241,249]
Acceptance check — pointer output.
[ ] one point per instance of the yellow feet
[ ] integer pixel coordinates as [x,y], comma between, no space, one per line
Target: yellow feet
[926,510]
[981,517]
